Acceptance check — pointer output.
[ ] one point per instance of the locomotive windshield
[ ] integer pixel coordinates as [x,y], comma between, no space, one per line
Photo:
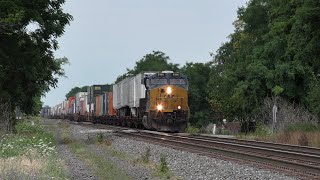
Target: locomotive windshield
[159,81]
[178,81]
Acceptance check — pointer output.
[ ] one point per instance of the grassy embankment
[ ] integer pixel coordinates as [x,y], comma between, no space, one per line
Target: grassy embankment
[105,169]
[303,134]
[30,153]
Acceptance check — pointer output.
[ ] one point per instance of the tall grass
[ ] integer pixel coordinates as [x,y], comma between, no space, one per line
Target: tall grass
[303,134]
[30,153]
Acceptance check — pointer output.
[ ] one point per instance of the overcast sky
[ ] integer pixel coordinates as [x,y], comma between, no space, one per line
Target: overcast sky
[108,36]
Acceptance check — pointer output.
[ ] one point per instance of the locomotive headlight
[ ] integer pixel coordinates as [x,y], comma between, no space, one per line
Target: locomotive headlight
[169,90]
[179,107]
[159,107]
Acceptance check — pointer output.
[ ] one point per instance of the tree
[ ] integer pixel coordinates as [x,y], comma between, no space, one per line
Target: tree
[275,45]
[75,90]
[27,65]
[155,61]
[198,75]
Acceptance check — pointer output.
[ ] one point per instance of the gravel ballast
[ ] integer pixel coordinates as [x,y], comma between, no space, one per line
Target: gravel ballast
[184,165]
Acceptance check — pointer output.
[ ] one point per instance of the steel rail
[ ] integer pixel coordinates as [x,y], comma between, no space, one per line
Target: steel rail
[279,146]
[271,151]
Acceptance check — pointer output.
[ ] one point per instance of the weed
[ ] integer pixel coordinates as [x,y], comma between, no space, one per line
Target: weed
[100,137]
[89,138]
[146,155]
[162,170]
[163,164]
[303,140]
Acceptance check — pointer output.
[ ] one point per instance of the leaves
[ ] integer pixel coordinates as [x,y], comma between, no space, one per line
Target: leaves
[30,67]
[273,51]
[155,61]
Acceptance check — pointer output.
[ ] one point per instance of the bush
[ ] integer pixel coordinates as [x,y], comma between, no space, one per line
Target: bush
[192,130]
[28,128]
[262,130]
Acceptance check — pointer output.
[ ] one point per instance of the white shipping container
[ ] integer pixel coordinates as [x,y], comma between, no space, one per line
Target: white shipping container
[86,102]
[65,107]
[79,97]
[129,91]
[125,92]
[115,96]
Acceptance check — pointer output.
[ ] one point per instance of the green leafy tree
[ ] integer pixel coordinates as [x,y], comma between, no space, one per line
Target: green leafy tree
[155,61]
[75,90]
[27,65]
[198,75]
[274,48]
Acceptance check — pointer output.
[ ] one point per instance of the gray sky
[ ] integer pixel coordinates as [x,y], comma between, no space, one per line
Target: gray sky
[108,36]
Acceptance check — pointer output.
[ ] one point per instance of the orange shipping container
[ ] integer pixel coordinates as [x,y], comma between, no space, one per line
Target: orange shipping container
[111,111]
[97,103]
[82,107]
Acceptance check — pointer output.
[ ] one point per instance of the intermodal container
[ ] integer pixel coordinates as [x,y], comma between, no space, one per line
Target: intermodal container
[97,106]
[106,103]
[111,111]
[129,91]
[101,104]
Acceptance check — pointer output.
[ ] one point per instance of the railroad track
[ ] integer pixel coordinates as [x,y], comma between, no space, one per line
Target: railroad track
[274,156]
[300,161]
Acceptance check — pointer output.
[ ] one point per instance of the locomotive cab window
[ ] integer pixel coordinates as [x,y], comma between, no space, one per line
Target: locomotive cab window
[178,81]
[159,81]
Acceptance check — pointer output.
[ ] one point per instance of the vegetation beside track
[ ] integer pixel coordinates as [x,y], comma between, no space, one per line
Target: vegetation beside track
[30,153]
[303,134]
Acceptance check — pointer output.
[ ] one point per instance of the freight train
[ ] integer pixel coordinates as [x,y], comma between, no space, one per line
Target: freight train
[150,100]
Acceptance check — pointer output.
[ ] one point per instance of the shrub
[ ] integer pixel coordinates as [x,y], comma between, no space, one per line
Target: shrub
[192,130]
[262,130]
